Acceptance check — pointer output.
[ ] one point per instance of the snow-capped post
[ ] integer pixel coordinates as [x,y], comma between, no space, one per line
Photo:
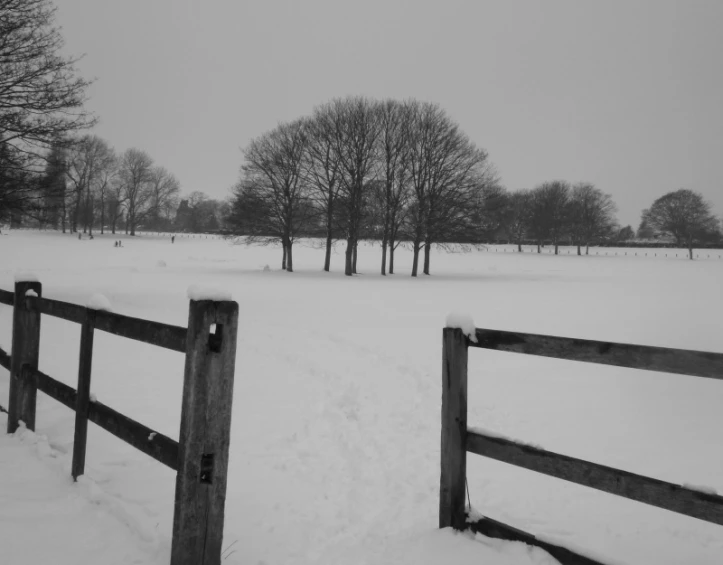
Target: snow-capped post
[205,428]
[25,350]
[82,402]
[454,422]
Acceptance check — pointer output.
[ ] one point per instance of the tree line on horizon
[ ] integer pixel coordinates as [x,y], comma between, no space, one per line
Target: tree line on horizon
[87,186]
[398,172]
[404,173]
[51,175]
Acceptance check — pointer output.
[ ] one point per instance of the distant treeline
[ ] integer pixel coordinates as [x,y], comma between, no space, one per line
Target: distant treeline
[404,173]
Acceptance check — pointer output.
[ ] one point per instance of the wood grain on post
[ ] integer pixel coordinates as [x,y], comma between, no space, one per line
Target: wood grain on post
[25,350]
[205,433]
[454,430]
[85,364]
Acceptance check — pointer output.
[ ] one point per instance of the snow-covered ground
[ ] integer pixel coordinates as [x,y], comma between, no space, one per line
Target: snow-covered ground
[336,424]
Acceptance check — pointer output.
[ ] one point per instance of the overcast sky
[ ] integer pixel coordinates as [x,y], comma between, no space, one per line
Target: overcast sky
[625,94]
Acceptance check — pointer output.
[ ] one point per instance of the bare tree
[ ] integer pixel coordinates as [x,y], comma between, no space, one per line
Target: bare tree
[273,187]
[447,171]
[164,188]
[87,160]
[41,97]
[684,215]
[105,182]
[549,217]
[354,126]
[519,208]
[492,212]
[135,173]
[322,171]
[395,127]
[17,187]
[115,200]
[53,187]
[591,215]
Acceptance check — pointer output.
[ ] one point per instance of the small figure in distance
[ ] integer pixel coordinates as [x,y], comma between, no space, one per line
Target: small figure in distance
[173,238]
[115,243]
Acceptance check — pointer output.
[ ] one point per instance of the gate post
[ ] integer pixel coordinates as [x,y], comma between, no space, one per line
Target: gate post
[25,350]
[82,404]
[454,429]
[205,433]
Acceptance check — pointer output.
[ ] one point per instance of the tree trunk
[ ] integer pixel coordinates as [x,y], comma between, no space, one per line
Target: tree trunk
[427,247]
[88,213]
[91,216]
[539,249]
[76,211]
[348,256]
[283,259]
[519,247]
[556,248]
[391,257]
[289,258]
[690,249]
[579,247]
[415,260]
[327,256]
[102,214]
[329,236]
[587,249]
[384,254]
[354,255]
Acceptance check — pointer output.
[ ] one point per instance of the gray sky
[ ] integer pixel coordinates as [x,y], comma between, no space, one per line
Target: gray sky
[625,94]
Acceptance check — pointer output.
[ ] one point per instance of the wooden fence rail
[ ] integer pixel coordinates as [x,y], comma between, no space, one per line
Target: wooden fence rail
[458,439]
[200,457]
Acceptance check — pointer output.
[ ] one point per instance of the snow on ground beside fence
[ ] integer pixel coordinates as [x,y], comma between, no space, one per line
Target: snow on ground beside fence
[49,519]
[335,440]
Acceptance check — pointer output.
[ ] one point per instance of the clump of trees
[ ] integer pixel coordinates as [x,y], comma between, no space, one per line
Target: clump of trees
[683,215]
[86,185]
[391,171]
[49,172]
[556,211]
[41,102]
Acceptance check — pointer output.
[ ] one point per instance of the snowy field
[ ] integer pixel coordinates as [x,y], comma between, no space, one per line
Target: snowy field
[336,422]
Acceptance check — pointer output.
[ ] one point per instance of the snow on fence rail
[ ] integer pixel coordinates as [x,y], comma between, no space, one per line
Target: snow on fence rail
[458,439]
[200,457]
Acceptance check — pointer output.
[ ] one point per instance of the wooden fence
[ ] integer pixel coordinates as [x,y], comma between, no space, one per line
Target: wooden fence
[457,439]
[200,457]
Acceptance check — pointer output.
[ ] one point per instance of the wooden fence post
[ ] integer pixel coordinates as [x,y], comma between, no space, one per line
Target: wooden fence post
[454,430]
[205,433]
[25,351]
[82,402]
